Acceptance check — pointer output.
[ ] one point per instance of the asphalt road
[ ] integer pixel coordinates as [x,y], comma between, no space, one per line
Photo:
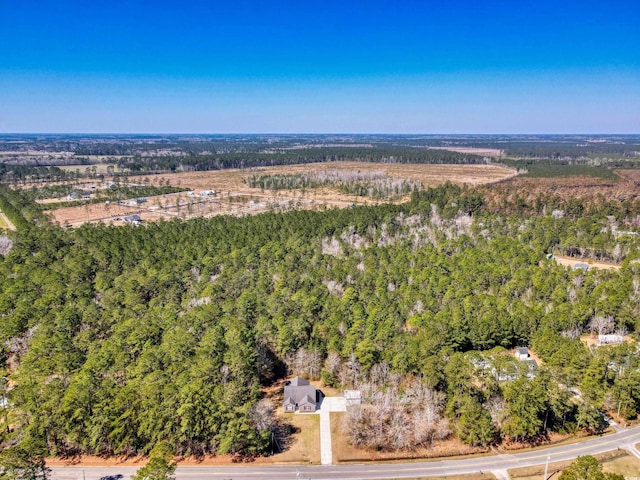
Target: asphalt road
[373,471]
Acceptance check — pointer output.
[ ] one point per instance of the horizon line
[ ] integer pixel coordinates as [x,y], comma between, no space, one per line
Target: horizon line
[327,133]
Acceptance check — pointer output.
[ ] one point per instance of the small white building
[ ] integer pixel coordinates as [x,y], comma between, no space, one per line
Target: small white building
[353,397]
[207,193]
[522,353]
[610,339]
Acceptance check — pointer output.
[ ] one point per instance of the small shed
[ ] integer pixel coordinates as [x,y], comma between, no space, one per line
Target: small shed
[581,266]
[353,397]
[522,353]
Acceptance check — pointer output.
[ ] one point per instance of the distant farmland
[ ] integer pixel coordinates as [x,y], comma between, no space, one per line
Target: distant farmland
[235,197]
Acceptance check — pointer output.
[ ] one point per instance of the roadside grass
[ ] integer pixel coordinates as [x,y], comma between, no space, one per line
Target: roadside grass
[474,476]
[616,461]
[626,465]
[555,441]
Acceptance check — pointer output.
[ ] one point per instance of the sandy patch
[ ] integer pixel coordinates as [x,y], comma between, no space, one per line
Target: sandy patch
[570,262]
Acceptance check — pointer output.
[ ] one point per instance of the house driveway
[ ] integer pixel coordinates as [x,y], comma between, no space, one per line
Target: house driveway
[328,405]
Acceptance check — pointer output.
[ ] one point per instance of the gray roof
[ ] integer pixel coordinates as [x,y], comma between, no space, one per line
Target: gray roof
[299,391]
[298,382]
[523,351]
[308,399]
[583,266]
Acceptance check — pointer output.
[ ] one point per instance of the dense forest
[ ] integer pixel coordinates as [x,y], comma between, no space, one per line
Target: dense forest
[218,161]
[118,339]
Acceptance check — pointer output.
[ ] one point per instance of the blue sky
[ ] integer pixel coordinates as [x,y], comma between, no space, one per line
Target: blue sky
[320,66]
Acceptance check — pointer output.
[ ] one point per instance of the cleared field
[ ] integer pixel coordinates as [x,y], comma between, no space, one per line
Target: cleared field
[583,187]
[234,197]
[429,175]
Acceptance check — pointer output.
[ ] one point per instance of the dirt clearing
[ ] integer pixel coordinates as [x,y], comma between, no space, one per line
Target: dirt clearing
[570,262]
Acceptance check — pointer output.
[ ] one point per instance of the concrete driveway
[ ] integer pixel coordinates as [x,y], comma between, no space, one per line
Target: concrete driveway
[328,405]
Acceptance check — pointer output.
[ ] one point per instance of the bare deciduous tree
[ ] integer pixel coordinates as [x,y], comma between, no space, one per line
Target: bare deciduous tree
[263,415]
[5,245]
[498,409]
[602,325]
[391,417]
[305,363]
[573,332]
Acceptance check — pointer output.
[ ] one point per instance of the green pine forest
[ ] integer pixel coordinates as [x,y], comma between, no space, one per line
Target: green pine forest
[115,339]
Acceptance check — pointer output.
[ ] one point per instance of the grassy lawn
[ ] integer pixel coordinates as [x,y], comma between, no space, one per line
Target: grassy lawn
[617,461]
[3,224]
[304,446]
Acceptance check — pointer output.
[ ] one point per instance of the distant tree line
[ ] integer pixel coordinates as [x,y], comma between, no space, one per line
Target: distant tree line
[387,154]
